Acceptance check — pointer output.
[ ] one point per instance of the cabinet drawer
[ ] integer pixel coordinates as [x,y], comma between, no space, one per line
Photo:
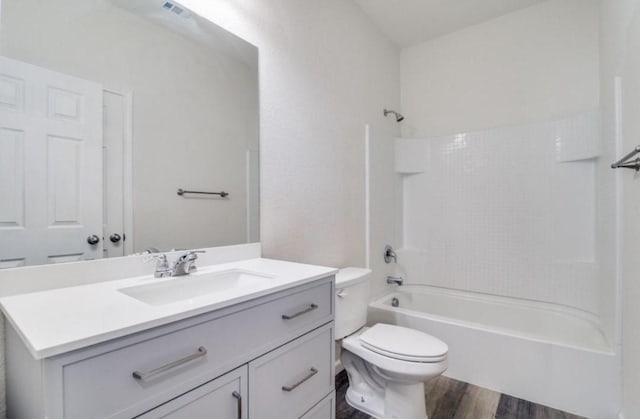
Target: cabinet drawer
[224,398]
[290,380]
[130,380]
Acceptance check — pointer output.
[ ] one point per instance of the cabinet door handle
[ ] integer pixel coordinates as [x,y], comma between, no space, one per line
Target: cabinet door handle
[202,351]
[312,372]
[239,400]
[300,313]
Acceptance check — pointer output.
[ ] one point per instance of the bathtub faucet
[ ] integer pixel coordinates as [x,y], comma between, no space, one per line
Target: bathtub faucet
[397,280]
[389,255]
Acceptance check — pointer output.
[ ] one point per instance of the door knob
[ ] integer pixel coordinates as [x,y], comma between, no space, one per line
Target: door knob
[93,240]
[115,238]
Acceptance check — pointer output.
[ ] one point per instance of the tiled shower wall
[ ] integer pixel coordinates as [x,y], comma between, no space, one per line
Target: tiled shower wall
[507,211]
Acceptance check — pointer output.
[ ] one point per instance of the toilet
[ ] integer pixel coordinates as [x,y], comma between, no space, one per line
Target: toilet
[387,365]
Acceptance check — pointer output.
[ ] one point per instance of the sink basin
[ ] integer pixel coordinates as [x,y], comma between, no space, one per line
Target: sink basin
[187,287]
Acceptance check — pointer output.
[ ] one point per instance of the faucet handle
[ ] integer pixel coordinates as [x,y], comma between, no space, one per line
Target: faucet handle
[159,258]
[185,263]
[389,254]
[162,264]
[190,255]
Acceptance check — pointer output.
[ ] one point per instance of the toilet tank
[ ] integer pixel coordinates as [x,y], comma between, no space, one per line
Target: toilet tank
[353,287]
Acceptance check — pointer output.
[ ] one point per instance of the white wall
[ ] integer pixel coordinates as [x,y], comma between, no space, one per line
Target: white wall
[631,225]
[536,64]
[507,203]
[615,18]
[620,43]
[325,71]
[194,111]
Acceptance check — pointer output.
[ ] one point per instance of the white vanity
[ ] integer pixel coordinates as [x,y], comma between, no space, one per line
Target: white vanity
[259,343]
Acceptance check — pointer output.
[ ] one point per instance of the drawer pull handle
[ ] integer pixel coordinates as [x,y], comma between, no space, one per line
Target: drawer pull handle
[300,313]
[202,351]
[239,399]
[312,372]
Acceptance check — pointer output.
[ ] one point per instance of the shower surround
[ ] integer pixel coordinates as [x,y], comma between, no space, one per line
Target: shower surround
[500,260]
[508,211]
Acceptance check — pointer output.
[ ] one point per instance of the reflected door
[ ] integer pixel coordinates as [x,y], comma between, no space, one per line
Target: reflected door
[50,166]
[116,145]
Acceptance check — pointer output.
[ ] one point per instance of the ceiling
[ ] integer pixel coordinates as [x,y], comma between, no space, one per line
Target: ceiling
[410,22]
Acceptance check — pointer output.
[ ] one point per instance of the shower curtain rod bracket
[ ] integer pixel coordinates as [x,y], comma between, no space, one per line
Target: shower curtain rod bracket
[629,164]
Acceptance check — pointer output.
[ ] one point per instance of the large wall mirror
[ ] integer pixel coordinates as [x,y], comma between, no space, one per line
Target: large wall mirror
[107,109]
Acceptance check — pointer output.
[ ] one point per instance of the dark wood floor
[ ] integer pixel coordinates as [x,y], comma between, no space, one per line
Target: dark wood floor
[451,399]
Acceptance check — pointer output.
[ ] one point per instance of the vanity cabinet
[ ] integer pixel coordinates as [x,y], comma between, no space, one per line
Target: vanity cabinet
[271,357]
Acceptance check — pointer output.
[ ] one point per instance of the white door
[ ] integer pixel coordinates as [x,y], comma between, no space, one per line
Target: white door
[50,166]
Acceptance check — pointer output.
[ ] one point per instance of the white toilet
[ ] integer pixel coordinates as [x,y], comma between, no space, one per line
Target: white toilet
[387,365]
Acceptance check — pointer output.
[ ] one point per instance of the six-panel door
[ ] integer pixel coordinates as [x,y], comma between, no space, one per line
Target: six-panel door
[50,166]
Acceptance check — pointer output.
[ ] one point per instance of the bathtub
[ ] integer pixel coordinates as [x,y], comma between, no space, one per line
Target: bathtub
[549,354]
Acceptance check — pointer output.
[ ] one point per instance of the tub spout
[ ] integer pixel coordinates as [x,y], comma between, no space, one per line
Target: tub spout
[397,280]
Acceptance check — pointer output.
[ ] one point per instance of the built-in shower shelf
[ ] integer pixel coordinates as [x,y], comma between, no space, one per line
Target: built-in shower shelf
[575,138]
[411,155]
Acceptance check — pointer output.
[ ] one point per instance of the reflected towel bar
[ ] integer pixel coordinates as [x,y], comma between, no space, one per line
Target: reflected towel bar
[629,164]
[223,194]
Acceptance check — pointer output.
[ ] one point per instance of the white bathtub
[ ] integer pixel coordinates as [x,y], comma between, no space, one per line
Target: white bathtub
[548,354]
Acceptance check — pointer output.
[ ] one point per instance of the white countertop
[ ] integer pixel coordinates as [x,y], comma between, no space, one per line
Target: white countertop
[61,320]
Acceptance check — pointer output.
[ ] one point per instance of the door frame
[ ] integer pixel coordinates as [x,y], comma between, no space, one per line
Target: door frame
[127,166]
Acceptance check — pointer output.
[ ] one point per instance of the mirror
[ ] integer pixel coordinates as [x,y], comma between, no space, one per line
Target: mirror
[107,109]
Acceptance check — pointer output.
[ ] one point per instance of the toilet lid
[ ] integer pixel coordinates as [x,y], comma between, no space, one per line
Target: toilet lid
[403,343]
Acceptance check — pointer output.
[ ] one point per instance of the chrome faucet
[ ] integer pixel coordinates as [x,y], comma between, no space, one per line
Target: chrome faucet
[185,264]
[396,280]
[389,255]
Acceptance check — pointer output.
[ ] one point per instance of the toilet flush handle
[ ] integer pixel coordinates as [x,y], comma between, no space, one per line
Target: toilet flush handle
[341,293]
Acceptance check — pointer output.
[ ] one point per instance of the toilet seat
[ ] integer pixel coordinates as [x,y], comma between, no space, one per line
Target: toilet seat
[403,343]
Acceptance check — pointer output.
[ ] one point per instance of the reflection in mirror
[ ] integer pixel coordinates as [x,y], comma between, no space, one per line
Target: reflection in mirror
[107,109]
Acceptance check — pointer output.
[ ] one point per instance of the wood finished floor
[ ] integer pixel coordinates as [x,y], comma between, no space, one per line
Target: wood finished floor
[451,399]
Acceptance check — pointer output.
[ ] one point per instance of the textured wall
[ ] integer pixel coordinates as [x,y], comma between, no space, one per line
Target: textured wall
[536,64]
[325,71]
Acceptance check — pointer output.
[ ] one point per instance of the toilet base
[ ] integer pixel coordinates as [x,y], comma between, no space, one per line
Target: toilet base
[404,401]
[372,406]
[372,393]
[401,402]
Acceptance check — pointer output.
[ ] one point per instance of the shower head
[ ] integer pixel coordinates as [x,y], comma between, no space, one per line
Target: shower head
[398,116]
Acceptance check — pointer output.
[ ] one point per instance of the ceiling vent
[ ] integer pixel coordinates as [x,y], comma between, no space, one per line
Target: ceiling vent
[176,8]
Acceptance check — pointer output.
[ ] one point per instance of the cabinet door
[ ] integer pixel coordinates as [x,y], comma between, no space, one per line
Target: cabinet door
[222,398]
[326,409]
[287,382]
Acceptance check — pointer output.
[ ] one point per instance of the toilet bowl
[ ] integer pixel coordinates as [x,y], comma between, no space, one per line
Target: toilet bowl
[387,365]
